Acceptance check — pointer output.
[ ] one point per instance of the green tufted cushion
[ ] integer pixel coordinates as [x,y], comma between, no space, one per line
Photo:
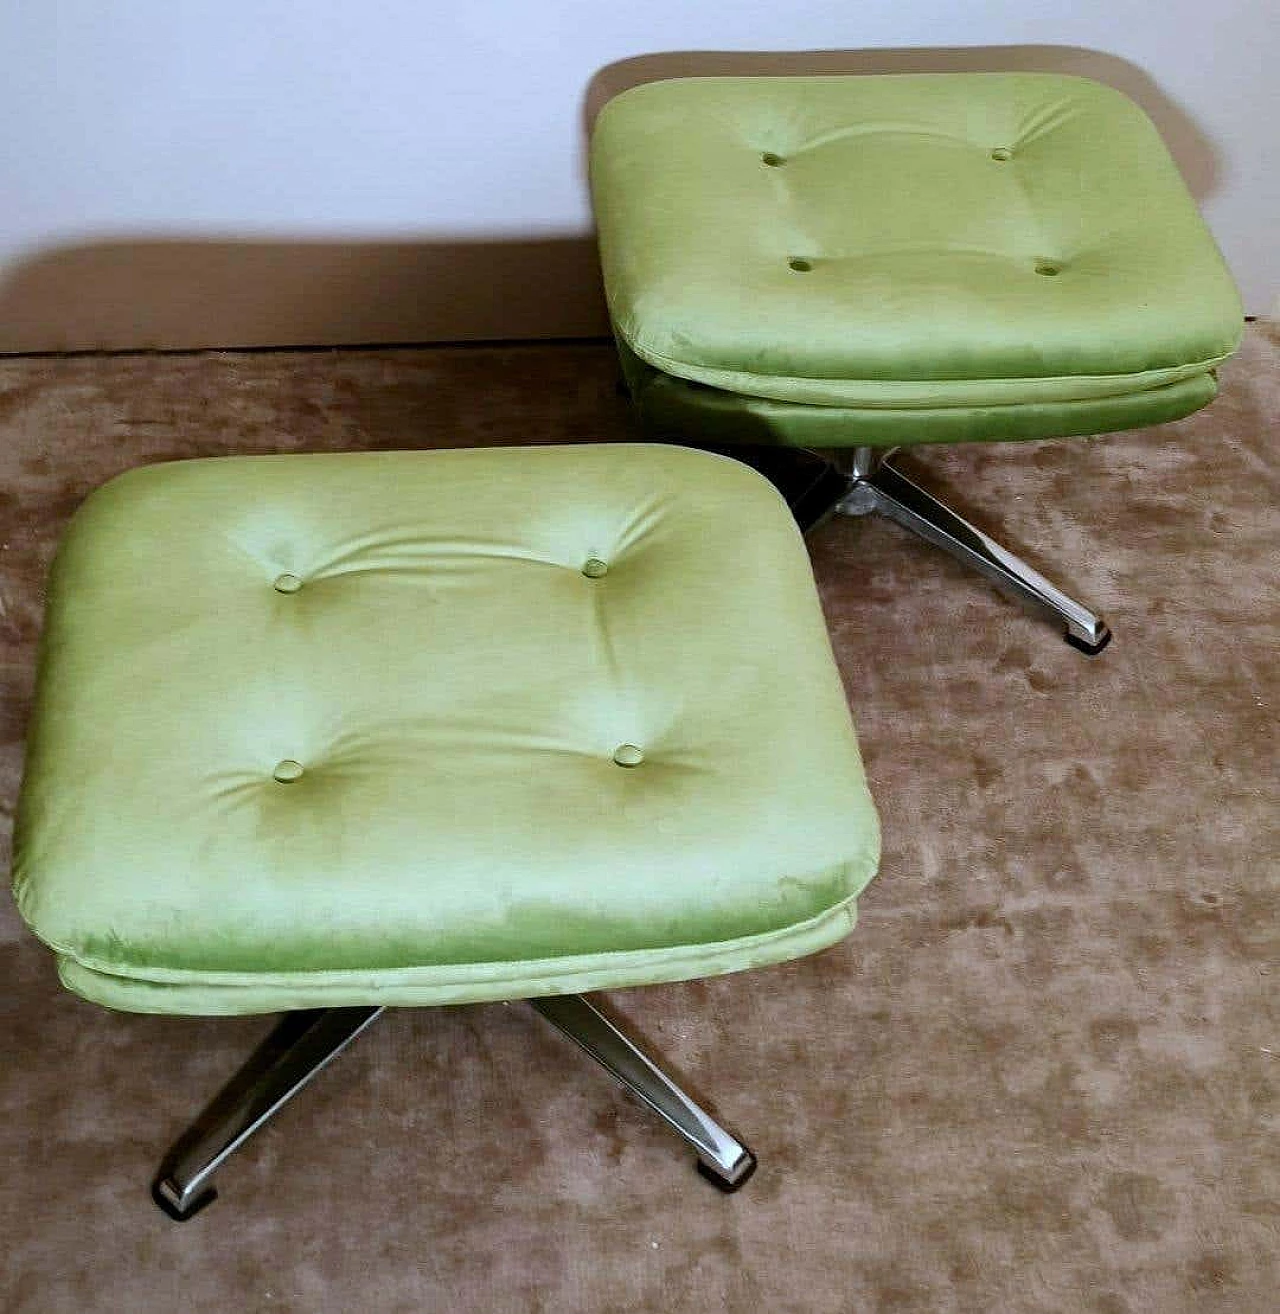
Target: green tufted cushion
[360,728]
[910,243]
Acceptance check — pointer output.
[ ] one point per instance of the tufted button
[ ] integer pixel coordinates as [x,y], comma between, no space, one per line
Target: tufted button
[627,755]
[772,160]
[799,265]
[1048,268]
[288,771]
[594,568]
[287,584]
[1001,154]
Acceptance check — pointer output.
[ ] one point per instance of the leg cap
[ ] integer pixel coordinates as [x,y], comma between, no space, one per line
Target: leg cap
[1089,649]
[166,1206]
[723,1184]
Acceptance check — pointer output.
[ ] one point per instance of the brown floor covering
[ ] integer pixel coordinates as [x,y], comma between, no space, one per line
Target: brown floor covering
[1040,1076]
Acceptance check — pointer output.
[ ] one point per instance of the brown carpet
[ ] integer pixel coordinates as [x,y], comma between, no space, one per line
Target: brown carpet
[1040,1076]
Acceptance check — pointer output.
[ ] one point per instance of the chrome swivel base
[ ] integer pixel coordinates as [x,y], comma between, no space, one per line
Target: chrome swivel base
[876,485]
[304,1043]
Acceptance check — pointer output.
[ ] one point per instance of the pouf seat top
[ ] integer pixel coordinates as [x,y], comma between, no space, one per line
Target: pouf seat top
[434,727]
[909,242]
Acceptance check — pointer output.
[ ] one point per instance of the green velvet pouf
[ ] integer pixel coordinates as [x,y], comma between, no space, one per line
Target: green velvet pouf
[877,260]
[434,727]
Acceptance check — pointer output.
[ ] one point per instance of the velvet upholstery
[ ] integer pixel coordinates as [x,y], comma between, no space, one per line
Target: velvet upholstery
[434,727]
[675,407]
[934,256]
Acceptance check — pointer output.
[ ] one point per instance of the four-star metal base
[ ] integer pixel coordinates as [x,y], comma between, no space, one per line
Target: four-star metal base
[304,1043]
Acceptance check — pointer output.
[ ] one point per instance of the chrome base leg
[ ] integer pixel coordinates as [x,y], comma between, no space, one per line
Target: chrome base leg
[304,1043]
[301,1046]
[877,485]
[724,1161]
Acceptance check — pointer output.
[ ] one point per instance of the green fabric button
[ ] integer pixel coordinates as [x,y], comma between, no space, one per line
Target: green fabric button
[287,584]
[1002,153]
[288,771]
[594,568]
[627,755]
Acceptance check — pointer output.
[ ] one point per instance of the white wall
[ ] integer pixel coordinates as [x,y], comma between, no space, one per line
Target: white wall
[247,122]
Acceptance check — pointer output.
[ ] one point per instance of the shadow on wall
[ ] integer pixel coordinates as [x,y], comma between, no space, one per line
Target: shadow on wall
[185,293]
[174,293]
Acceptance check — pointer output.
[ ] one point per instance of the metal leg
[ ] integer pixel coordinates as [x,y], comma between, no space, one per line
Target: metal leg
[724,1161]
[876,485]
[301,1046]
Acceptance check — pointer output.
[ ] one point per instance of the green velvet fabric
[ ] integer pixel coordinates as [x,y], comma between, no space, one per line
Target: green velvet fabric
[364,728]
[674,408]
[910,243]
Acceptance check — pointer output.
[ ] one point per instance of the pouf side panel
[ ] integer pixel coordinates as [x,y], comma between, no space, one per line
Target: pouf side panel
[670,407]
[480,983]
